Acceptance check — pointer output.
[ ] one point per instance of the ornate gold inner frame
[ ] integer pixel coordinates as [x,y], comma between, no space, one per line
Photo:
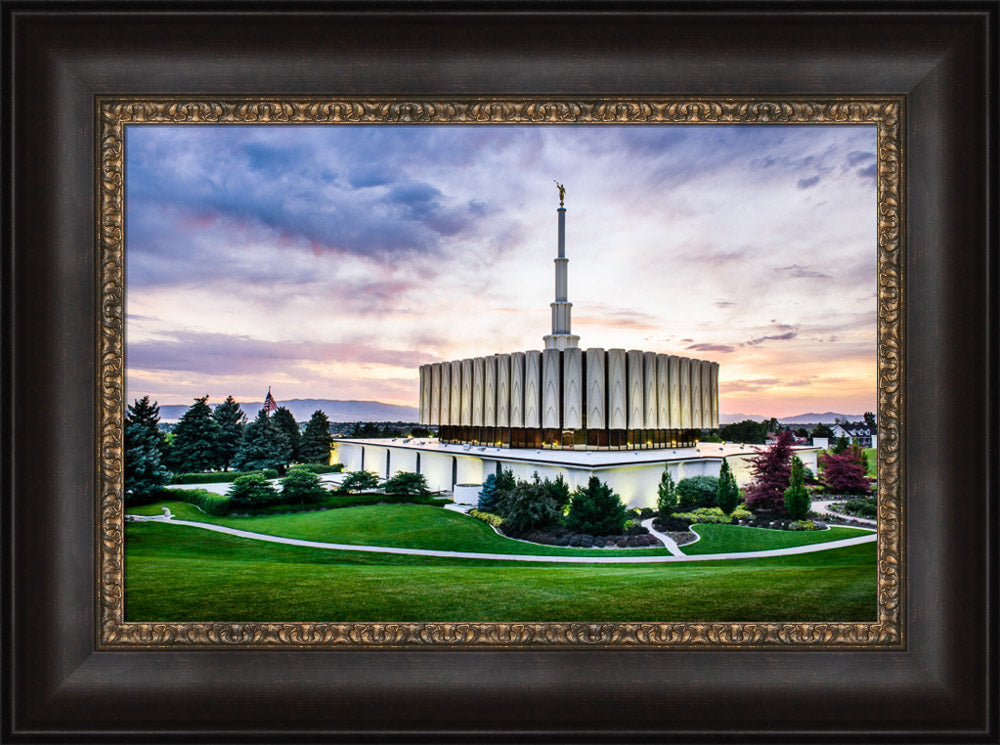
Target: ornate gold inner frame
[886,113]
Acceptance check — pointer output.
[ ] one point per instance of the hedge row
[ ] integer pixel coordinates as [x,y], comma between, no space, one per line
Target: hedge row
[209,502]
[353,500]
[217,477]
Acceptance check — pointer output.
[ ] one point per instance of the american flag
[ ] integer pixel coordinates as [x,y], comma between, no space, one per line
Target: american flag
[269,403]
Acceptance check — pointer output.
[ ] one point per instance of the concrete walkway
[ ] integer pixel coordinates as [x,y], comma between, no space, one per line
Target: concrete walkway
[822,507]
[169,519]
[667,541]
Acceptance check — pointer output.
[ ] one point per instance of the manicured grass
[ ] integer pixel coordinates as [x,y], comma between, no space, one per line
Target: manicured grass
[404,525]
[732,538]
[177,573]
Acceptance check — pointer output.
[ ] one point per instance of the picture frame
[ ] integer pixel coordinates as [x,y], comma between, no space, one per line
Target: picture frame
[938,683]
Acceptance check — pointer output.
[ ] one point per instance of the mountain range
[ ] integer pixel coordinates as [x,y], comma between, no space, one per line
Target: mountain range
[828,417]
[376,411]
[303,408]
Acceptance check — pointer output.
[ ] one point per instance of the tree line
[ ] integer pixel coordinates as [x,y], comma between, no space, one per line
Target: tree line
[207,440]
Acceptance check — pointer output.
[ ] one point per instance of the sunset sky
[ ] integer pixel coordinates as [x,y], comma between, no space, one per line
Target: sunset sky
[331,261]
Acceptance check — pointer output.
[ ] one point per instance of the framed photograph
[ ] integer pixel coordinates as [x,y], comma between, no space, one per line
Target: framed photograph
[380,212]
[231,227]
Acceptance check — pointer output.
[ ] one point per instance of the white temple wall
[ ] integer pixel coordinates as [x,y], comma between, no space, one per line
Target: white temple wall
[674,368]
[617,397]
[517,389]
[502,363]
[596,391]
[651,412]
[572,388]
[478,382]
[436,393]
[662,391]
[636,406]
[695,393]
[533,389]
[550,388]
[490,392]
[685,376]
[466,418]
[445,393]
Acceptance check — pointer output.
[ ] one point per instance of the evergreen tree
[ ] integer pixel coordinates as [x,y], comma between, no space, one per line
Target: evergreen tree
[357,481]
[596,510]
[796,497]
[144,470]
[252,490]
[196,440]
[528,506]
[821,430]
[666,495]
[263,446]
[285,421]
[231,420]
[300,486]
[505,487]
[316,440]
[772,471]
[558,489]
[728,494]
[747,431]
[839,445]
[406,483]
[488,494]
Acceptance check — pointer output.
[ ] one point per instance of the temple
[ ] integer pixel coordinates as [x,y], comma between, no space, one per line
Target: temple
[565,397]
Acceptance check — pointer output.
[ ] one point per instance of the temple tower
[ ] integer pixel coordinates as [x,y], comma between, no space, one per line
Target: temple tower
[561,336]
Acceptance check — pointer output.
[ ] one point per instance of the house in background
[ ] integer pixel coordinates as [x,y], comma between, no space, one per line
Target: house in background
[860,434]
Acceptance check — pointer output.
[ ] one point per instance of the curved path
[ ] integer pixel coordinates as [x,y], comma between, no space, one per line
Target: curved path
[167,517]
[822,507]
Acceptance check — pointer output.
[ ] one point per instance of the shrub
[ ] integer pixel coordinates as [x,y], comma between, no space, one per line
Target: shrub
[318,467]
[209,477]
[505,485]
[741,513]
[528,506]
[727,495]
[356,481]
[863,507]
[697,491]
[666,494]
[796,496]
[802,525]
[596,510]
[269,473]
[488,495]
[704,515]
[354,500]
[406,483]
[252,489]
[490,519]
[772,472]
[558,490]
[846,472]
[301,486]
[209,502]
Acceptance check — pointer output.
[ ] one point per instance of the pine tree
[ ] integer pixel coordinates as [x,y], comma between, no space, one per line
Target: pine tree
[796,497]
[596,510]
[263,446]
[231,420]
[772,471]
[196,440]
[144,447]
[488,494]
[316,440]
[666,495]
[728,494]
[285,421]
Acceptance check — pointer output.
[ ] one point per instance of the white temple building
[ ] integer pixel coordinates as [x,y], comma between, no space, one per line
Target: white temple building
[622,415]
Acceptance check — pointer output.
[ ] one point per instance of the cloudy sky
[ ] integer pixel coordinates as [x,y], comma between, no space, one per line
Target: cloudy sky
[331,261]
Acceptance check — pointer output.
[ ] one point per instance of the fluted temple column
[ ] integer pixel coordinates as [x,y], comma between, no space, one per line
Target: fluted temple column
[436,393]
[596,389]
[503,390]
[572,388]
[533,389]
[636,406]
[617,384]
[446,393]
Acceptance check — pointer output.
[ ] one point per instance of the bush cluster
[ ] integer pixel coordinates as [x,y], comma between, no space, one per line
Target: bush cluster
[697,491]
[860,507]
[212,477]
[252,490]
[705,515]
[318,467]
[487,517]
[209,502]
[561,536]
[802,525]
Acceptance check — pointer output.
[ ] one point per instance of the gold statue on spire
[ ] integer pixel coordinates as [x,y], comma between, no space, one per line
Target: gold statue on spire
[562,191]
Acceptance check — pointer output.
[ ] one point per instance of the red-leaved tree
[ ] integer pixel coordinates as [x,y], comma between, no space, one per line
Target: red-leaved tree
[772,473]
[845,473]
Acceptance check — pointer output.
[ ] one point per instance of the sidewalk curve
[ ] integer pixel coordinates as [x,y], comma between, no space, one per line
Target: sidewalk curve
[812,548]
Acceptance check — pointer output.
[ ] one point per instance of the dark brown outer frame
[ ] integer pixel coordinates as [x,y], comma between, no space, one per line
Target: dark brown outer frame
[56,687]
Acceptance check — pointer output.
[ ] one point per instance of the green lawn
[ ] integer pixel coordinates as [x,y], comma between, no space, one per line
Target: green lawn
[731,538]
[177,573]
[404,525]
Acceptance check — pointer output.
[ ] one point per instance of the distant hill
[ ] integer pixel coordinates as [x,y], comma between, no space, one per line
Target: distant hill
[828,417]
[303,408]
